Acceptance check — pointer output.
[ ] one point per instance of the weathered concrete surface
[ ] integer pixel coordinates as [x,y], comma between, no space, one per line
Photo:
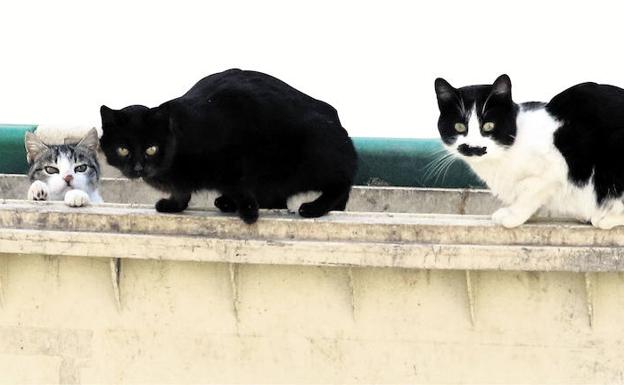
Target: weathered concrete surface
[352,297]
[343,239]
[375,199]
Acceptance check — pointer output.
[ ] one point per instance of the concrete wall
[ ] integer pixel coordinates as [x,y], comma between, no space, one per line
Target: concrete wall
[121,294]
[189,322]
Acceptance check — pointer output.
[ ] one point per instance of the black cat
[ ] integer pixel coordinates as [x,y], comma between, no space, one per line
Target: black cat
[246,134]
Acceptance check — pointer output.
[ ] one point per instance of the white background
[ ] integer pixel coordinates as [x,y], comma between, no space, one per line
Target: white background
[374,61]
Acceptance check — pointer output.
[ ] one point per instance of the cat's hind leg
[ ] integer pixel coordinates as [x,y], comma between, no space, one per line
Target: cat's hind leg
[295,201]
[342,203]
[177,202]
[333,197]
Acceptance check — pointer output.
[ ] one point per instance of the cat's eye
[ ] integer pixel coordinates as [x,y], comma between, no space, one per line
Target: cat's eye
[51,170]
[460,127]
[123,152]
[81,168]
[151,151]
[488,126]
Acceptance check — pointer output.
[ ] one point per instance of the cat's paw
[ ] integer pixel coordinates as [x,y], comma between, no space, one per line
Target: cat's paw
[312,210]
[77,198]
[225,204]
[607,222]
[248,212]
[295,201]
[38,191]
[169,206]
[508,218]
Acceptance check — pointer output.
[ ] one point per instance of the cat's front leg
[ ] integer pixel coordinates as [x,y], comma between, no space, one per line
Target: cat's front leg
[534,192]
[248,209]
[38,191]
[247,205]
[177,202]
[511,216]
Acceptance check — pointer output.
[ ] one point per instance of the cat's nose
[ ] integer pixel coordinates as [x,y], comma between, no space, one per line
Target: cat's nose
[138,167]
[68,179]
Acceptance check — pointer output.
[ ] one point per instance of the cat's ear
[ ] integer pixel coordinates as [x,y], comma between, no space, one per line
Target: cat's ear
[107,115]
[34,146]
[502,86]
[444,90]
[90,141]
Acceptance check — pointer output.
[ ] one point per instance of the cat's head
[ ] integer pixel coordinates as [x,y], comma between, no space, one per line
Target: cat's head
[137,140]
[64,167]
[477,122]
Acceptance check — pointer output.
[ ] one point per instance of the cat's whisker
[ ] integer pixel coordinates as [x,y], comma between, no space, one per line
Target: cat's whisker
[432,165]
[448,167]
[441,170]
[443,164]
[436,166]
[436,157]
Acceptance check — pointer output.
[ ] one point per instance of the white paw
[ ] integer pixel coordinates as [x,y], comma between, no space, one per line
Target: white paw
[507,218]
[608,222]
[38,191]
[295,201]
[76,198]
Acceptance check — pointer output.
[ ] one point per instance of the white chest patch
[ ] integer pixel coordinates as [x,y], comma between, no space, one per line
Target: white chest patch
[532,174]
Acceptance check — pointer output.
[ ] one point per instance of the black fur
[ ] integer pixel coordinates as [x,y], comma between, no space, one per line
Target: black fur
[246,134]
[592,135]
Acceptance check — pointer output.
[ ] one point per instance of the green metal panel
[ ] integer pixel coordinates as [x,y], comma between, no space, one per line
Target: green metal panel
[410,162]
[12,151]
[382,161]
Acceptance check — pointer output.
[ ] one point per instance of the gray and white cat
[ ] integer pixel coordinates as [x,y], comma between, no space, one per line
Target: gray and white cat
[67,172]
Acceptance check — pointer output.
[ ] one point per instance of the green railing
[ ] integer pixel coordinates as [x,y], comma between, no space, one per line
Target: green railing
[410,163]
[12,151]
[382,161]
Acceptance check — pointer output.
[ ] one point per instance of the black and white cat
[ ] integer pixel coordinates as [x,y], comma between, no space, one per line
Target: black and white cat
[250,136]
[66,172]
[565,156]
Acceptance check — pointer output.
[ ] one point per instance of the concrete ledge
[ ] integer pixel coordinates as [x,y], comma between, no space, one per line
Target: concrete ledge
[421,241]
[118,293]
[363,198]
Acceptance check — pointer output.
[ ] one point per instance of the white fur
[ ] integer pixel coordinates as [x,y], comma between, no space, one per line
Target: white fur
[77,198]
[532,174]
[55,188]
[295,201]
[38,191]
[56,183]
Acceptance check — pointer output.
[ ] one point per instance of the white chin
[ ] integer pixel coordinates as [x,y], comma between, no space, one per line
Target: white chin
[475,159]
